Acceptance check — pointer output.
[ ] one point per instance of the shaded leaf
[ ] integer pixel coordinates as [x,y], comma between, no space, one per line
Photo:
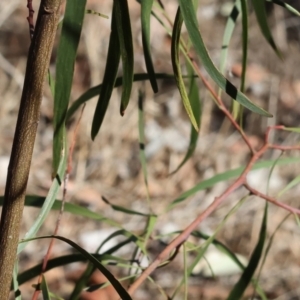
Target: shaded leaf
[115,283]
[261,17]
[126,45]
[240,287]
[124,209]
[142,141]
[96,90]
[110,74]
[62,261]
[146,6]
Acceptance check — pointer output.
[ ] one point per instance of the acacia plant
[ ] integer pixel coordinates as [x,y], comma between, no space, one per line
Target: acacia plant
[121,50]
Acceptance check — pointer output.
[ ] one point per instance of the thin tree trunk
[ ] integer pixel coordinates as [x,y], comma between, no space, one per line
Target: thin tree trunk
[28,118]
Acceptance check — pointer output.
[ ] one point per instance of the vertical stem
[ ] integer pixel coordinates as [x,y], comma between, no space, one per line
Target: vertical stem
[28,118]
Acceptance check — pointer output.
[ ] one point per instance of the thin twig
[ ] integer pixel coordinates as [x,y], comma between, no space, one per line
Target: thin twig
[272,200]
[241,181]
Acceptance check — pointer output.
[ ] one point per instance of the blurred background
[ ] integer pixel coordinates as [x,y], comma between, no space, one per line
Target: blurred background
[110,167]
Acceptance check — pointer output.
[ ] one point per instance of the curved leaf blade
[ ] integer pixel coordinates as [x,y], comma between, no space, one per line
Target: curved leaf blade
[96,90]
[261,17]
[44,288]
[229,27]
[190,20]
[176,68]
[110,74]
[126,45]
[146,6]
[59,262]
[196,107]
[226,176]
[285,5]
[115,283]
[240,287]
[47,203]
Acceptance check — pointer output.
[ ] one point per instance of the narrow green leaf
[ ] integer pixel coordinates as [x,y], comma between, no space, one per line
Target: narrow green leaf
[285,5]
[240,287]
[96,90]
[66,55]
[261,17]
[63,261]
[268,247]
[229,27]
[244,9]
[115,283]
[84,278]
[185,273]
[125,38]
[226,176]
[292,129]
[146,6]
[152,219]
[51,83]
[124,209]
[176,68]
[290,185]
[197,109]
[190,20]
[209,241]
[142,141]
[220,246]
[37,201]
[110,74]
[93,12]
[15,282]
[44,288]
[47,204]
[237,109]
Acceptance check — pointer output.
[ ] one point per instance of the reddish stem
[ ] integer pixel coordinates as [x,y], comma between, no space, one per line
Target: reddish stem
[30,18]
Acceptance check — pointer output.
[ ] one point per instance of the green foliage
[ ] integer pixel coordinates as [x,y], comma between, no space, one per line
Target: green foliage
[121,48]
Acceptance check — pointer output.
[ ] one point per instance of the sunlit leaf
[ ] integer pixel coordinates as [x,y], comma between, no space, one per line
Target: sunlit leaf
[226,176]
[286,5]
[290,185]
[292,129]
[44,288]
[47,203]
[190,20]
[196,107]
[175,50]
